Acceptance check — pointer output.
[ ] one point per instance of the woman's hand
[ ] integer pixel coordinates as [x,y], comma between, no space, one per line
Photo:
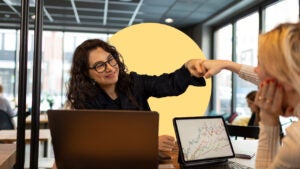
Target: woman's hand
[166,143]
[269,99]
[213,67]
[195,67]
[209,68]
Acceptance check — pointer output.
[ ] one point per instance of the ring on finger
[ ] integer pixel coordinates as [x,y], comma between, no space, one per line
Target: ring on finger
[268,100]
[260,98]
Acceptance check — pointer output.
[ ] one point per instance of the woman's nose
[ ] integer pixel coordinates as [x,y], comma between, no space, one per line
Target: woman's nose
[108,67]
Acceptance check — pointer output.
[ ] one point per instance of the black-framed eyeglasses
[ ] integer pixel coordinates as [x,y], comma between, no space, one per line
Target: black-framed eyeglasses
[100,66]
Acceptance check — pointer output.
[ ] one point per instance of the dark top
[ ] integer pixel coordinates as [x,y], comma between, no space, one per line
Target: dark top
[254,119]
[251,121]
[145,86]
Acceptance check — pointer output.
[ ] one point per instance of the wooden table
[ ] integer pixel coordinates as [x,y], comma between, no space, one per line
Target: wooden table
[10,136]
[43,121]
[7,156]
[247,145]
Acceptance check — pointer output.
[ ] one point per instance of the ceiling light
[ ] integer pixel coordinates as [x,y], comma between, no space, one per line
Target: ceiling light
[6,15]
[125,0]
[169,20]
[33,17]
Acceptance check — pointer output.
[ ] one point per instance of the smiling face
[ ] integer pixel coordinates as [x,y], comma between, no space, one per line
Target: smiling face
[107,78]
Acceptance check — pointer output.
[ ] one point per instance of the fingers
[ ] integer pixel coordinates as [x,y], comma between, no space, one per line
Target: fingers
[194,67]
[271,91]
[165,148]
[212,67]
[258,96]
[167,138]
[208,75]
[206,68]
[269,98]
[278,96]
[266,93]
[166,143]
[196,71]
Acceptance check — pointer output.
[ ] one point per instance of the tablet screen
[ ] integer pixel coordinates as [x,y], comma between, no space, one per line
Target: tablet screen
[202,138]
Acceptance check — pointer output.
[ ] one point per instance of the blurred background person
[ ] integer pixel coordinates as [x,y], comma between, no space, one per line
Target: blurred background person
[254,119]
[5,105]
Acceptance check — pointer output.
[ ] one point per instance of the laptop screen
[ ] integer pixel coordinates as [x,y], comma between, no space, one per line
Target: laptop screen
[285,122]
[202,138]
[104,138]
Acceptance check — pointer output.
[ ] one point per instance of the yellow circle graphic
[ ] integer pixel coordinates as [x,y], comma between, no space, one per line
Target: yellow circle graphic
[153,49]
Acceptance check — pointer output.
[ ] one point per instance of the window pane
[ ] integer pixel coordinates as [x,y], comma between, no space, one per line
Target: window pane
[283,11]
[51,74]
[29,68]
[222,83]
[7,62]
[246,53]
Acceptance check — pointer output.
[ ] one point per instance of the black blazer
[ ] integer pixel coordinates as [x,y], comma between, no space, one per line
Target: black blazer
[145,86]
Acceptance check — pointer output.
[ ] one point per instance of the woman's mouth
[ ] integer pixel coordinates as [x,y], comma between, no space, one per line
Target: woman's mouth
[110,75]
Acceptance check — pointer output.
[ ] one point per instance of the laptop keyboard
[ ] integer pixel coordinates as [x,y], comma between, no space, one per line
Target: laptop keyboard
[229,165]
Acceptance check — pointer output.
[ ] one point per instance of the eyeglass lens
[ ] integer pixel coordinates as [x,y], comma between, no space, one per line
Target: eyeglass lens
[101,67]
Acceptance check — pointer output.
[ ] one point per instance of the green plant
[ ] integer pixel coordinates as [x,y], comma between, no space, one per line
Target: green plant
[50,100]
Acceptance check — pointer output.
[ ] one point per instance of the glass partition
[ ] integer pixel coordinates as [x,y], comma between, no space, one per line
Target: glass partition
[223,81]
[247,30]
[282,11]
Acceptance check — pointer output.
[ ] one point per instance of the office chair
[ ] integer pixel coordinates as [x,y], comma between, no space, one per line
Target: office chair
[5,121]
[243,131]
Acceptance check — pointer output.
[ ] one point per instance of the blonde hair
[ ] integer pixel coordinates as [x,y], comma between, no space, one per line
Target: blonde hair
[279,53]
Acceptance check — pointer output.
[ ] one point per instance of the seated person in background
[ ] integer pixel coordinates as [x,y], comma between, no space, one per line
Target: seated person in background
[254,119]
[99,80]
[4,104]
[279,94]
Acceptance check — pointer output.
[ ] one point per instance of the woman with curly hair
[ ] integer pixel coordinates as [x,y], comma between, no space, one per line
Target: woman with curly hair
[99,80]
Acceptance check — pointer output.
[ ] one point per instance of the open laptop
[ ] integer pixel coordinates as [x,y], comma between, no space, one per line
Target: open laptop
[285,122]
[204,143]
[109,139]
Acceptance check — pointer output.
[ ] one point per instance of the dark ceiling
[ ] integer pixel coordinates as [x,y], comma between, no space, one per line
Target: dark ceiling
[113,15]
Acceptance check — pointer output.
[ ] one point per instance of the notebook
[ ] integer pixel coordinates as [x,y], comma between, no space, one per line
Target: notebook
[104,138]
[204,142]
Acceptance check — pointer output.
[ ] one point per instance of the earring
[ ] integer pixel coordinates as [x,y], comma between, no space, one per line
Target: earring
[93,82]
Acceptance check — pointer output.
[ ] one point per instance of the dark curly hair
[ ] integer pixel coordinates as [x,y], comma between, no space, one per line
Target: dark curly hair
[81,87]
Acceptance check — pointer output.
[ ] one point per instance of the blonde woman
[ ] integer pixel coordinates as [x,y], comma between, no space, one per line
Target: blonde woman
[278,77]
[279,94]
